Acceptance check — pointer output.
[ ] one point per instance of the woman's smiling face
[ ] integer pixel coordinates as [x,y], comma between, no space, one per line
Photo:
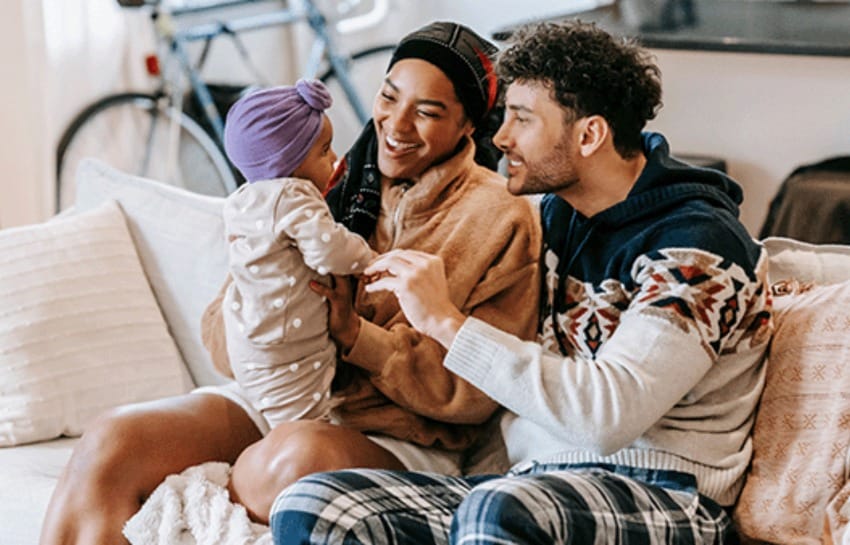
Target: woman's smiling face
[418,119]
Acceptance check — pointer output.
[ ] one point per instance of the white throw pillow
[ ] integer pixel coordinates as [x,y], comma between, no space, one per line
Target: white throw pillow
[821,264]
[180,239]
[80,330]
[800,436]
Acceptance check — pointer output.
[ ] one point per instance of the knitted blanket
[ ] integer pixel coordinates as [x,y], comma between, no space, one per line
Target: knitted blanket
[194,508]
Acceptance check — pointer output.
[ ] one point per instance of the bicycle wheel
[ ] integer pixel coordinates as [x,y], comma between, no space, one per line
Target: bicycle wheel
[366,72]
[131,131]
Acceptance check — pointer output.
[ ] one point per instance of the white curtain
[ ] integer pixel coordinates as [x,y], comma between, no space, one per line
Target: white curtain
[58,55]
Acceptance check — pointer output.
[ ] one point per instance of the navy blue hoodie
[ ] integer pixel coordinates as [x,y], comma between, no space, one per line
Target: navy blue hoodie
[672,205]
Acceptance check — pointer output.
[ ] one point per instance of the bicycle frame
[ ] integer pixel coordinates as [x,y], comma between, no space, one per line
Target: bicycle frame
[324,46]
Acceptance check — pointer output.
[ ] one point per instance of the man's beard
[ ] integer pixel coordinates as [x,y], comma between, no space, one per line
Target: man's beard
[552,173]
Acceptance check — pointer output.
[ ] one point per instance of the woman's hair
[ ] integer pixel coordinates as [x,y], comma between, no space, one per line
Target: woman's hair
[590,73]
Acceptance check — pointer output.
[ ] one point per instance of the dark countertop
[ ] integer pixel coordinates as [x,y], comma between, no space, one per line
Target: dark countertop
[754,26]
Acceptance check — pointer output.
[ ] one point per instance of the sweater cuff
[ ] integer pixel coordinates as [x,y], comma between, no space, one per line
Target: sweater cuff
[474,351]
[372,348]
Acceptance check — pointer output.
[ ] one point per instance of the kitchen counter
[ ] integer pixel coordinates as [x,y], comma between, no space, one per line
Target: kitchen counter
[790,28]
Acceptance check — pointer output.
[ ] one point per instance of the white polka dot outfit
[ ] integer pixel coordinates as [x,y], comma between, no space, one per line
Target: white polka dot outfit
[282,236]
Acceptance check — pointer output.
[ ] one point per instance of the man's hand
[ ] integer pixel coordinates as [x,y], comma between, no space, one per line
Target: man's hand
[343,321]
[418,280]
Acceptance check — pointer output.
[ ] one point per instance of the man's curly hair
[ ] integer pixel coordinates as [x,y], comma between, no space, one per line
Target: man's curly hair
[591,73]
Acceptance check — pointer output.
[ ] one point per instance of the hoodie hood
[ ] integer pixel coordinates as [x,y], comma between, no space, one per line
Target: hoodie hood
[666,188]
[667,182]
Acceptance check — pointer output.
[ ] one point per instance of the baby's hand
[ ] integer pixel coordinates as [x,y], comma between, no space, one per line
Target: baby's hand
[369,278]
[374,277]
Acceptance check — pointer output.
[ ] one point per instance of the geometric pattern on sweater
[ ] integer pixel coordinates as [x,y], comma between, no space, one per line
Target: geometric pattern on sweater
[699,293]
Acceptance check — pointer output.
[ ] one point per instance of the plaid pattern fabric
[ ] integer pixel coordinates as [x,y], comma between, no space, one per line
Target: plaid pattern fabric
[546,505]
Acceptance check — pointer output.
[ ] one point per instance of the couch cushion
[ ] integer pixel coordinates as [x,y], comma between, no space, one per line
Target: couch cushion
[180,239]
[818,263]
[802,430]
[80,331]
[29,474]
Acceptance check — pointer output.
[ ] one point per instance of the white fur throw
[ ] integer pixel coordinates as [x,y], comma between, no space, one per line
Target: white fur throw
[194,508]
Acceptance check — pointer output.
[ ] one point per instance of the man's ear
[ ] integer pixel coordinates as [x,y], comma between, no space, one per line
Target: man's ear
[594,131]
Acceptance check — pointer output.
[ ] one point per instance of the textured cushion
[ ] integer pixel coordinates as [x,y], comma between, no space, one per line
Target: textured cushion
[180,239]
[80,331]
[802,430]
[818,263]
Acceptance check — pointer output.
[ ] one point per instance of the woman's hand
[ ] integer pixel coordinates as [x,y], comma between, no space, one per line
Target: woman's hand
[418,280]
[343,321]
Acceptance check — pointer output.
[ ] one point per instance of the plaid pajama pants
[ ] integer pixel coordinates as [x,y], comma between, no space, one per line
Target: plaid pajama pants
[548,504]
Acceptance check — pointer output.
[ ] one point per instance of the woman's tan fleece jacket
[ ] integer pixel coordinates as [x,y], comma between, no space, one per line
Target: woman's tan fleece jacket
[490,243]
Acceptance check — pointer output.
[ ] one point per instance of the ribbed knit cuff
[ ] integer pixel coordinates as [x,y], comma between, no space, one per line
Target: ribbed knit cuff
[474,352]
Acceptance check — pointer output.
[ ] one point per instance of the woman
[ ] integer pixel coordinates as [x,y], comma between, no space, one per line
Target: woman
[410,181]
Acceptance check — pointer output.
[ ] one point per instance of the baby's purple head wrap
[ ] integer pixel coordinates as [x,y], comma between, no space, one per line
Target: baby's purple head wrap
[269,132]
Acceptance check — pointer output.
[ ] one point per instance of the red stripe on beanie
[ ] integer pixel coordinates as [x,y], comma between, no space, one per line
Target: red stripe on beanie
[492,82]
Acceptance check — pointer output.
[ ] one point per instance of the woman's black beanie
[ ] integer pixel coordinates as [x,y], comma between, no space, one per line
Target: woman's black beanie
[464,56]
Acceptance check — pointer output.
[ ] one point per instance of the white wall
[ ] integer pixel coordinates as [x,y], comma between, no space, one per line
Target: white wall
[486,16]
[765,114]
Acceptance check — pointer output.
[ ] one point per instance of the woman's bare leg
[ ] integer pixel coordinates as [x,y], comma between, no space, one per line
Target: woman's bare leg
[294,450]
[127,452]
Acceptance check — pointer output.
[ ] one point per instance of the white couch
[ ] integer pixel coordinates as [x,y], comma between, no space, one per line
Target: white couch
[177,238]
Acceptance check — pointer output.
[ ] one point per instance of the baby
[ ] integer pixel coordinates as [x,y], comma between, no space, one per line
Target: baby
[281,236]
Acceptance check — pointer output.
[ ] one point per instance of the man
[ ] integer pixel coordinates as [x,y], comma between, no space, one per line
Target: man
[630,421]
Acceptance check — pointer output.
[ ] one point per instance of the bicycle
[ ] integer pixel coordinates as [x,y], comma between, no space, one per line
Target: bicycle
[154,134]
